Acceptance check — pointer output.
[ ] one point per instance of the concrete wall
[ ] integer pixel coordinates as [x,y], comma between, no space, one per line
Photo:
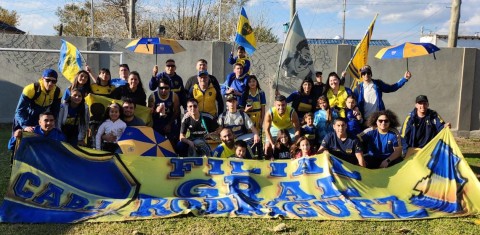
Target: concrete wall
[450,80]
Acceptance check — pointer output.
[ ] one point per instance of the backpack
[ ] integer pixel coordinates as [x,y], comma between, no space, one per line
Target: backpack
[244,128]
[38,91]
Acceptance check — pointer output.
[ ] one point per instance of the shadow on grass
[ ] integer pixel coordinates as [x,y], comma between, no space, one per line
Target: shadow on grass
[475,169]
[37,228]
[472,155]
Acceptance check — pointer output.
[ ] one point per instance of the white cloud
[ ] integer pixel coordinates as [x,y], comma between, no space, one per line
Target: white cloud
[38,25]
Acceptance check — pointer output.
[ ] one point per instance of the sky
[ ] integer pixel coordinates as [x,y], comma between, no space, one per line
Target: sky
[398,20]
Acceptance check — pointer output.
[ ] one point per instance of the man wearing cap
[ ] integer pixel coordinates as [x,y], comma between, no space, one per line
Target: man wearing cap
[202,65]
[369,91]
[421,125]
[278,118]
[238,121]
[209,99]
[236,82]
[35,99]
[176,81]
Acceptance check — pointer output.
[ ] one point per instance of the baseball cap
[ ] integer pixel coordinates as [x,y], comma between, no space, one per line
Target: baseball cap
[231,97]
[365,70]
[202,73]
[421,98]
[49,73]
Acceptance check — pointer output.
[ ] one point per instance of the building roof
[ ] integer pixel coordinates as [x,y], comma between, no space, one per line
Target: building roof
[352,42]
[4,27]
[442,36]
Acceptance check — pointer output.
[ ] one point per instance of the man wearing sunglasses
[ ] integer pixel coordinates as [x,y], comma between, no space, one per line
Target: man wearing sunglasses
[176,82]
[35,99]
[165,107]
[369,91]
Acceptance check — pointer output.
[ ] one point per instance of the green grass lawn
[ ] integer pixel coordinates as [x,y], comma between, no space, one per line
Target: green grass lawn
[198,225]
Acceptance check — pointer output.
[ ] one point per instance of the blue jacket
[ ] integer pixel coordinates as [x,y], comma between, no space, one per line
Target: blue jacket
[246,62]
[54,134]
[434,124]
[176,85]
[29,109]
[379,86]
[239,85]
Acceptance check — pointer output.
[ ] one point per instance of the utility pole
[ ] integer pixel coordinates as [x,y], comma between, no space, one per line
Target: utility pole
[344,9]
[454,22]
[132,19]
[91,16]
[293,6]
[220,20]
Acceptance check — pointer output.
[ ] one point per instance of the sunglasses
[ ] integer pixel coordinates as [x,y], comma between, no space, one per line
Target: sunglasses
[50,81]
[164,88]
[170,65]
[383,121]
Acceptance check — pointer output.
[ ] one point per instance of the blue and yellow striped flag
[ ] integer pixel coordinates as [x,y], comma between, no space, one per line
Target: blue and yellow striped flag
[70,61]
[245,36]
[360,55]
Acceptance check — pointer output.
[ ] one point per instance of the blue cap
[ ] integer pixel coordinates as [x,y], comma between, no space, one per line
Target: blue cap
[203,72]
[50,73]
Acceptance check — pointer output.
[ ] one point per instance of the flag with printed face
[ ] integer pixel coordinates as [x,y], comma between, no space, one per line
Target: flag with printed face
[360,55]
[296,60]
[70,61]
[245,36]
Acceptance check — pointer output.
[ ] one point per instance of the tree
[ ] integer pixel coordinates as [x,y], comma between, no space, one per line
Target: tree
[111,19]
[264,34]
[9,17]
[199,19]
[75,19]
[183,19]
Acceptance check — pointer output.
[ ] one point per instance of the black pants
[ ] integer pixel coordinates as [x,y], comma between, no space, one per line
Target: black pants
[374,162]
[110,147]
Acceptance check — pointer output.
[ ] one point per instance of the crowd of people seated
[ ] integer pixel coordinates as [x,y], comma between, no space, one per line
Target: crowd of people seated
[354,126]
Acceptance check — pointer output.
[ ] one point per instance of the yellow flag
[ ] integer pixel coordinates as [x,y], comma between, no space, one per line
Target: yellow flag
[70,61]
[360,55]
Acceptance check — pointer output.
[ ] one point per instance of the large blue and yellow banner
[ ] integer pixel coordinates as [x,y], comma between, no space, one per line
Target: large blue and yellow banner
[52,182]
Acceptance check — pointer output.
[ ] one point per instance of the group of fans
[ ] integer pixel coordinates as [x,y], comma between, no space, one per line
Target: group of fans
[323,117]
